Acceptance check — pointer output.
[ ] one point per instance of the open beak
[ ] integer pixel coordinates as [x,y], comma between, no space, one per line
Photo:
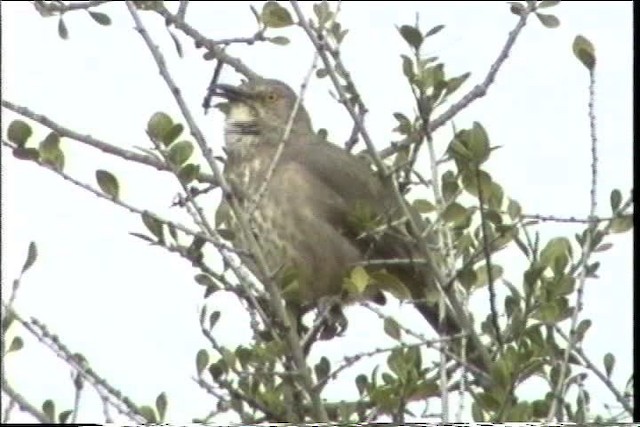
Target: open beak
[229,92]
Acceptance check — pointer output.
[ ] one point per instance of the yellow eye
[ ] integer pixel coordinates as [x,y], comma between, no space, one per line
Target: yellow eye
[271,96]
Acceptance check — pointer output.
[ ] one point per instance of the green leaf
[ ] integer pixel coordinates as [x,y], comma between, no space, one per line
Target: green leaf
[322,369]
[433,31]
[100,18]
[391,284]
[609,362]
[411,35]
[321,73]
[467,277]
[279,40]
[616,200]
[217,369]
[64,416]
[49,409]
[50,152]
[179,153]
[361,383]
[476,181]
[275,16]
[359,278]
[476,412]
[621,224]
[204,280]
[407,68]
[582,329]
[517,8]
[148,413]
[556,247]
[583,50]
[202,360]
[159,125]
[213,319]
[188,173]
[16,344]
[23,153]
[172,133]
[323,13]
[455,213]
[478,143]
[153,225]
[62,31]
[108,183]
[454,83]
[423,206]
[19,132]
[32,255]
[549,21]
[161,405]
[392,328]
[514,210]
[483,277]
[547,3]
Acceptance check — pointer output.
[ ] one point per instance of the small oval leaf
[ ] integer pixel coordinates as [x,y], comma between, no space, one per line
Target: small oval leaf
[583,50]
[275,16]
[616,200]
[392,328]
[172,133]
[19,132]
[153,225]
[161,405]
[148,413]
[279,40]
[16,344]
[549,21]
[32,255]
[609,362]
[202,360]
[179,153]
[62,29]
[411,35]
[100,18]
[188,173]
[49,409]
[159,125]
[108,183]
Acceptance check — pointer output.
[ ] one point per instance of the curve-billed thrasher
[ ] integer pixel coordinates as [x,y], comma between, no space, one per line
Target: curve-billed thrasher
[313,211]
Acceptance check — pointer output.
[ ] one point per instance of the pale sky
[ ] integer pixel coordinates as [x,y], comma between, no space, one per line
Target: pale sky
[132,310]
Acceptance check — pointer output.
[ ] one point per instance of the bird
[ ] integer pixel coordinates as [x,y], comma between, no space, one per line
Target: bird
[316,210]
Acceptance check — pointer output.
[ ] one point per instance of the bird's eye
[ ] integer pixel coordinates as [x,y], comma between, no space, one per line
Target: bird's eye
[271,96]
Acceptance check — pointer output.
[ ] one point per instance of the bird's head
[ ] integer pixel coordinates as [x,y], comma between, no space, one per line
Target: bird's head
[262,107]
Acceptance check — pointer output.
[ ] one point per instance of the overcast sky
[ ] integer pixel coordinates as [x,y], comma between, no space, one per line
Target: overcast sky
[132,310]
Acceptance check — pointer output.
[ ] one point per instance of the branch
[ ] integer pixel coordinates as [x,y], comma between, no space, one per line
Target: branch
[23,403]
[97,143]
[213,47]
[60,7]
[274,293]
[130,208]
[586,251]
[477,92]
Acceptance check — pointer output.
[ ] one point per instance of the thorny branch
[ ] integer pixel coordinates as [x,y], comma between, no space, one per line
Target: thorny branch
[274,294]
[97,143]
[477,92]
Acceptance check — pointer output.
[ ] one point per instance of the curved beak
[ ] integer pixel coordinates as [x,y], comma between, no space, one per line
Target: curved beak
[229,92]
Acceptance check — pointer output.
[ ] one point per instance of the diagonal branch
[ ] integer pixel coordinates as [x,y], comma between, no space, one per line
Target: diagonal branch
[97,143]
[478,91]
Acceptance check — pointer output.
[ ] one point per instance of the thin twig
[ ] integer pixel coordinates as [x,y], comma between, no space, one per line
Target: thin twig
[586,252]
[97,143]
[23,403]
[477,92]
[274,293]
